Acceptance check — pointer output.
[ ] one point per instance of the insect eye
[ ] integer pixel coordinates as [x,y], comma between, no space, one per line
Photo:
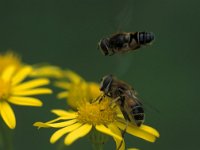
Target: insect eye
[104,46]
[105,83]
[101,84]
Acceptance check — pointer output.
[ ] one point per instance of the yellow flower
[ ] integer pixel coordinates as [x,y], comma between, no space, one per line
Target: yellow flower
[9,58]
[99,116]
[13,90]
[77,89]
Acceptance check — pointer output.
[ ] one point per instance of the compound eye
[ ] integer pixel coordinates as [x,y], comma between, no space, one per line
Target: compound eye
[103,44]
[106,83]
[101,84]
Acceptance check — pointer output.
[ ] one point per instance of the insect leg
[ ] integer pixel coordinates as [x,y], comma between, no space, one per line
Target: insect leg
[114,101]
[123,133]
[99,98]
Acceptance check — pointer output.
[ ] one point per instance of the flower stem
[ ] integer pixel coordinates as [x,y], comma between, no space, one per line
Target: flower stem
[61,146]
[5,137]
[97,146]
[98,139]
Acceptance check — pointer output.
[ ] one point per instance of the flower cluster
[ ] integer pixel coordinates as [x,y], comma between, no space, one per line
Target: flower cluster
[90,114]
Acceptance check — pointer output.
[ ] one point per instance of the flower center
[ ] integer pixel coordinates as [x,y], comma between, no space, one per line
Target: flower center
[97,113]
[4,89]
[85,91]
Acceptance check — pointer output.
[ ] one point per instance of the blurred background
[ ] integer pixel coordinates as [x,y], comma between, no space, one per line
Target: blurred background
[66,33]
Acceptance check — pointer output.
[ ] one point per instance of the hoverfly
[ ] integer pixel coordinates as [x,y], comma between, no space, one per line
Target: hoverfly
[125,42]
[124,95]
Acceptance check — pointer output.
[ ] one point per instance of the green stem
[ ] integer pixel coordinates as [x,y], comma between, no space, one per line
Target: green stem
[97,146]
[5,137]
[61,145]
[98,139]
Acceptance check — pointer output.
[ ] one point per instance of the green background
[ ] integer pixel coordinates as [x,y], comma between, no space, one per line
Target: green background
[66,33]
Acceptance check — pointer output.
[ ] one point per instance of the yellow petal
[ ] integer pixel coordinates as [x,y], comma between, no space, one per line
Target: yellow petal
[7,73]
[59,118]
[63,113]
[78,133]
[120,144]
[46,71]
[73,77]
[25,101]
[7,114]
[94,89]
[32,92]
[64,85]
[132,149]
[136,131]
[21,75]
[31,84]
[46,124]
[41,125]
[107,131]
[56,125]
[63,95]
[63,124]
[150,130]
[58,134]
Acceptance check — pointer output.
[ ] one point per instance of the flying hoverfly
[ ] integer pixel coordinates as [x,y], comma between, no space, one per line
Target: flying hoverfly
[125,42]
